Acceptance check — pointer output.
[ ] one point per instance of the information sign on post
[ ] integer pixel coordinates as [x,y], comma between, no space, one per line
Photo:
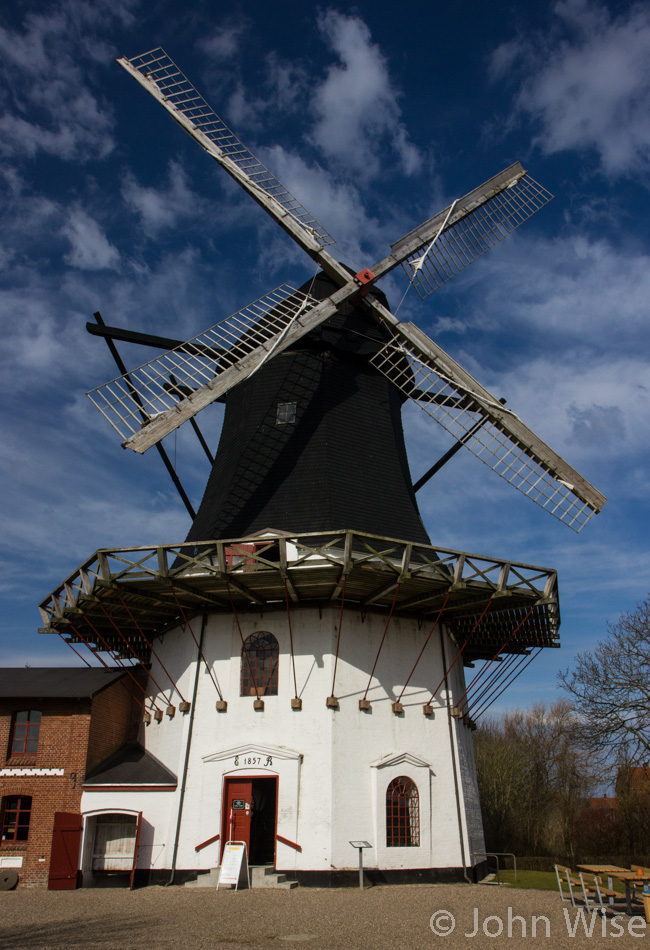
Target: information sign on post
[361,845]
[234,865]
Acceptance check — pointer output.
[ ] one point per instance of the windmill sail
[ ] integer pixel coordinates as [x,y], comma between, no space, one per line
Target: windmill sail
[476,223]
[199,371]
[162,78]
[444,390]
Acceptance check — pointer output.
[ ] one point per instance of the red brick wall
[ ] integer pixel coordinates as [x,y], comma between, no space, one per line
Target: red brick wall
[115,718]
[75,736]
[63,743]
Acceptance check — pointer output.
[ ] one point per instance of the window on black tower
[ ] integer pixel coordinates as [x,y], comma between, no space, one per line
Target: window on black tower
[402,814]
[259,665]
[25,730]
[286,413]
[14,817]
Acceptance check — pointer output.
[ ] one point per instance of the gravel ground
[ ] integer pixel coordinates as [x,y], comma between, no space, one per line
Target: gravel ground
[377,918]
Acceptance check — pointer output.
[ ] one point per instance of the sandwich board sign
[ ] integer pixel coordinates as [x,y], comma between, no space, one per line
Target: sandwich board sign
[234,865]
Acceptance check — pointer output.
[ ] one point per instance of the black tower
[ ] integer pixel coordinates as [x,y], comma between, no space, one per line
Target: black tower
[314,440]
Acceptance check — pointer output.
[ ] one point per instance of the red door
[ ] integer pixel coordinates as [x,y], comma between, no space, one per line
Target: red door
[64,857]
[237,811]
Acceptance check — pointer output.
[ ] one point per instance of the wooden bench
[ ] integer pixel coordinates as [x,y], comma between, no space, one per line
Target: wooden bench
[643,872]
[597,889]
[566,876]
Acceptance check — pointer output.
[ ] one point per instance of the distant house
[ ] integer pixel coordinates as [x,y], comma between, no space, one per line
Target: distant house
[632,782]
[633,779]
[57,725]
[603,803]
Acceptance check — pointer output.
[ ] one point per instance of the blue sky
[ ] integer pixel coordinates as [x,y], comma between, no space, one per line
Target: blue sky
[374,121]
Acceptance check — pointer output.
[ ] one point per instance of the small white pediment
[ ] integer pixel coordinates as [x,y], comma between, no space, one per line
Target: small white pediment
[253,748]
[400,758]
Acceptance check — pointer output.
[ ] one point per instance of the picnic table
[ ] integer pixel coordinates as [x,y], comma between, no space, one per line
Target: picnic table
[625,875]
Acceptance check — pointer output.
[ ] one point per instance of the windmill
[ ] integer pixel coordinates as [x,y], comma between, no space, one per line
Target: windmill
[293,567]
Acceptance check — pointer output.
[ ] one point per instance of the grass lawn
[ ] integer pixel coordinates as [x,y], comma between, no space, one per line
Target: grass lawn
[545,880]
[538,880]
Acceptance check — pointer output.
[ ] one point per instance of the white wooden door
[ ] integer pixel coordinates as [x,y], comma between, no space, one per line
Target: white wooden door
[114,846]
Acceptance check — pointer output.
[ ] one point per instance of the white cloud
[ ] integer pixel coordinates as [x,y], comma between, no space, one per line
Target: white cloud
[62,518]
[588,83]
[225,43]
[289,82]
[587,289]
[90,248]
[160,209]
[284,88]
[356,105]
[19,137]
[25,220]
[586,409]
[32,339]
[593,424]
[245,112]
[46,77]
[336,205]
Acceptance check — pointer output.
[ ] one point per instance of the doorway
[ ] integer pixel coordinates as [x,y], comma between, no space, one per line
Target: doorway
[250,815]
[111,849]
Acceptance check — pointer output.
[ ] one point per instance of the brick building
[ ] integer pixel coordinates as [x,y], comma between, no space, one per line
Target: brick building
[56,725]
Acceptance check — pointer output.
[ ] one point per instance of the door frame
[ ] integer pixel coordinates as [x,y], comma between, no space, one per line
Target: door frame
[238,777]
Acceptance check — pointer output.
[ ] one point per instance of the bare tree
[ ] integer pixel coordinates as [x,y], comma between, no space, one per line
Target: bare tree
[501,769]
[534,778]
[610,690]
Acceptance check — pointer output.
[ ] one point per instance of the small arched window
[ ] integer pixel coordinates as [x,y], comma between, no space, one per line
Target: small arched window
[25,732]
[259,665]
[402,814]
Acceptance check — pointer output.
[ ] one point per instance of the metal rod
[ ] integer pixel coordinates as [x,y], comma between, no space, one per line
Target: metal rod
[492,697]
[450,454]
[497,855]
[433,627]
[189,627]
[372,673]
[131,336]
[149,644]
[105,664]
[471,633]
[118,659]
[161,452]
[338,638]
[293,657]
[463,699]
[135,655]
[75,651]
[243,643]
